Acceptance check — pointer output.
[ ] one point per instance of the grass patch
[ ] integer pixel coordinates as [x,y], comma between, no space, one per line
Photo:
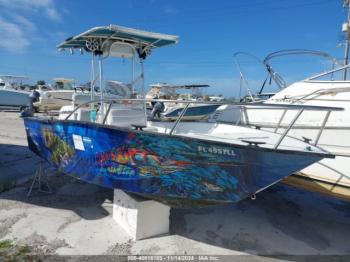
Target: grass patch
[11,252]
[5,244]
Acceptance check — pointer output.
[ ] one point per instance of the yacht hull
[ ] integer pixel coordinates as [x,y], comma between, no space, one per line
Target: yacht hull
[160,166]
[329,176]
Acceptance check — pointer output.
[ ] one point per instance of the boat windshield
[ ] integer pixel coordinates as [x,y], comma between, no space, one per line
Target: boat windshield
[117,88]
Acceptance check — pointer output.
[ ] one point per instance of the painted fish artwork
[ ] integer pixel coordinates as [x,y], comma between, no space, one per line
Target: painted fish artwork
[158,166]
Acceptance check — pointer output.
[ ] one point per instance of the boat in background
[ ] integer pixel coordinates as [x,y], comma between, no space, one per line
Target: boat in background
[11,94]
[110,142]
[112,89]
[329,176]
[64,94]
[173,110]
[58,95]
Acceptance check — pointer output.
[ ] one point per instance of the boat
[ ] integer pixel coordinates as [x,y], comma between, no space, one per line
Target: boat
[172,110]
[58,95]
[64,93]
[110,142]
[10,93]
[112,89]
[329,88]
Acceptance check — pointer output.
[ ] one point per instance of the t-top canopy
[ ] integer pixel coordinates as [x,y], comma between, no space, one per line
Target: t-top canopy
[63,80]
[98,39]
[193,86]
[14,78]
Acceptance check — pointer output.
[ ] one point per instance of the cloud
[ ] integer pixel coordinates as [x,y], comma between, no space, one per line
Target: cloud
[16,27]
[48,6]
[25,23]
[53,14]
[12,37]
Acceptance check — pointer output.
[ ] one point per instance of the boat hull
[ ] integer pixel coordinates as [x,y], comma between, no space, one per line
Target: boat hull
[13,98]
[332,176]
[160,166]
[54,100]
[328,176]
[192,113]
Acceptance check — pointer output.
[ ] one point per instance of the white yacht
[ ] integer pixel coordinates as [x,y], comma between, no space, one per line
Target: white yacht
[330,88]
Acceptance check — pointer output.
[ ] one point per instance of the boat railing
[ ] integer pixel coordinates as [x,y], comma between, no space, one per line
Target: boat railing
[299,108]
[330,72]
[317,93]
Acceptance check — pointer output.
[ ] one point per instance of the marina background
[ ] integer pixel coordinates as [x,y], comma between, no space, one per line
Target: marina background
[211,31]
[282,220]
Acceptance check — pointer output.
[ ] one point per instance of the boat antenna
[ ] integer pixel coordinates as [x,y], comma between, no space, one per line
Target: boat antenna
[346,30]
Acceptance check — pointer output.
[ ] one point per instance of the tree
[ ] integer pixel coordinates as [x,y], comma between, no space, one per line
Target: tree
[40,83]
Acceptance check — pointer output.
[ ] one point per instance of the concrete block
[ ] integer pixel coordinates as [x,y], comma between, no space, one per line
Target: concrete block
[140,218]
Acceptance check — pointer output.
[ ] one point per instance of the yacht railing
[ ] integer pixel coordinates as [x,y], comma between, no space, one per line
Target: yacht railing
[317,93]
[300,109]
[334,70]
[289,126]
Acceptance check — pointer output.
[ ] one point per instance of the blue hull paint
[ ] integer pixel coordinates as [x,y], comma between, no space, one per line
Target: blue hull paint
[195,111]
[159,166]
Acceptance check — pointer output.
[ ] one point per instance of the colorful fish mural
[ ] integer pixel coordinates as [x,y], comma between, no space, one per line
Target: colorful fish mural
[159,166]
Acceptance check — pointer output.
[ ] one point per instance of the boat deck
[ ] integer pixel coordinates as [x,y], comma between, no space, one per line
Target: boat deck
[226,133]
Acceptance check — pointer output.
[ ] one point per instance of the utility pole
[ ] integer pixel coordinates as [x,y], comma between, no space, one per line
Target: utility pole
[346,30]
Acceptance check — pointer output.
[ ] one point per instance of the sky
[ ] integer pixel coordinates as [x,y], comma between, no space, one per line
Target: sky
[210,33]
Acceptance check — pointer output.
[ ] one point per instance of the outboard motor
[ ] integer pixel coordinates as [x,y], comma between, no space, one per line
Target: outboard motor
[30,109]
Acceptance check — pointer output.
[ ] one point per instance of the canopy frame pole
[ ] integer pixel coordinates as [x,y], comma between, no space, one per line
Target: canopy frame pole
[143,87]
[100,66]
[132,73]
[92,79]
